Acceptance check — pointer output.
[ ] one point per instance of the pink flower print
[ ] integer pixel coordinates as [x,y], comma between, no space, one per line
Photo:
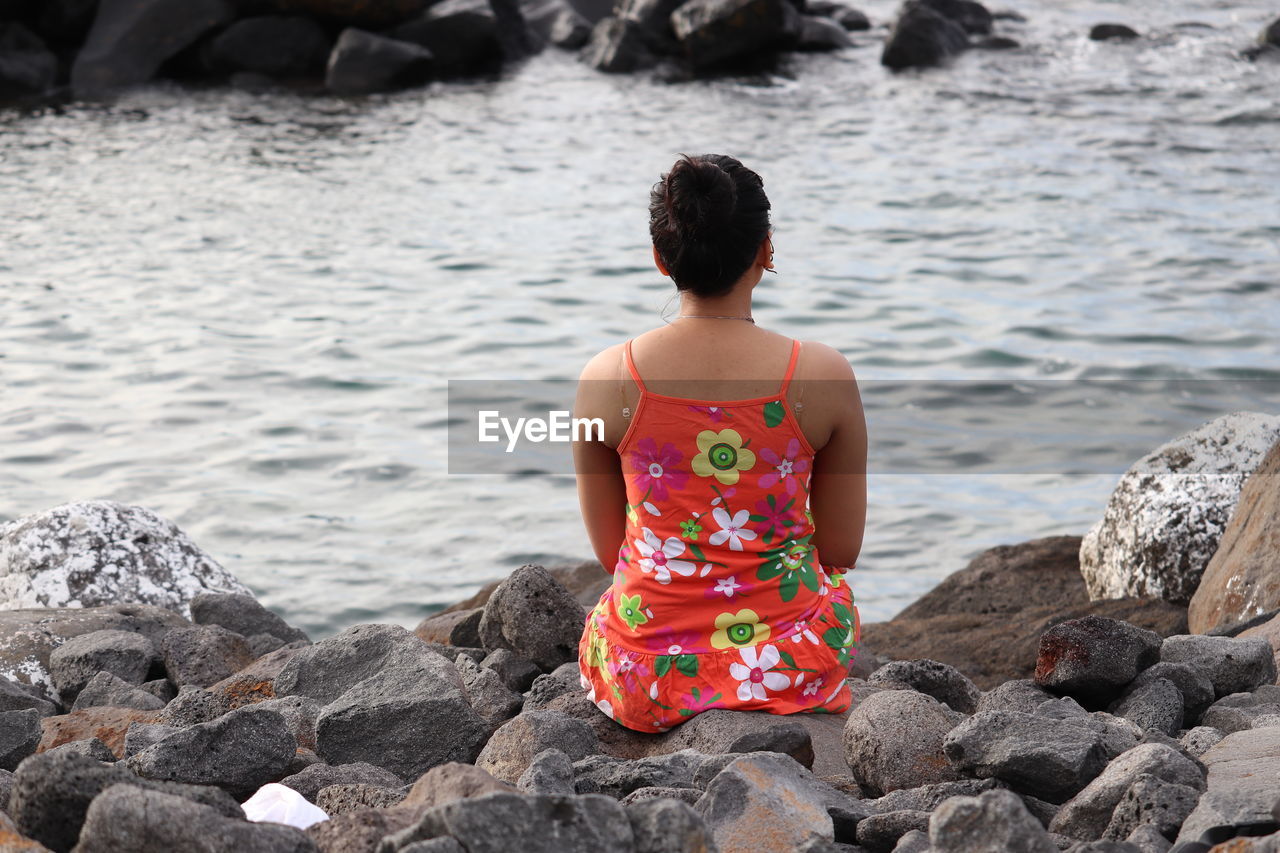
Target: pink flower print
[785,467]
[657,468]
[804,632]
[727,588]
[669,641]
[628,671]
[658,556]
[812,688]
[715,413]
[772,520]
[699,699]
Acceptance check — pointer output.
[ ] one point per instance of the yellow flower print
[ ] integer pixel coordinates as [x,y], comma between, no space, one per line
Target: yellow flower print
[734,630]
[721,455]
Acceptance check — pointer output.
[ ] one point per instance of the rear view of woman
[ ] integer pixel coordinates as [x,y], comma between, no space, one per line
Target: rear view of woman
[729,492]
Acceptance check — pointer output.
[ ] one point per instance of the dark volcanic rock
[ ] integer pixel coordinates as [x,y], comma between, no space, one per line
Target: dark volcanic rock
[516,672]
[894,740]
[817,34]
[106,723]
[356,13]
[879,833]
[1237,712]
[19,736]
[93,747]
[847,16]
[617,45]
[1151,801]
[939,680]
[1102,32]
[364,62]
[1017,695]
[278,46]
[716,32]
[310,781]
[994,822]
[126,817]
[342,799]
[240,751]
[535,616]
[921,38]
[972,16]
[1232,664]
[139,736]
[203,654]
[1195,687]
[512,748]
[126,654]
[27,67]
[238,612]
[1156,705]
[15,696]
[107,689]
[668,826]
[550,772]
[618,777]
[720,732]
[463,38]
[765,802]
[1093,658]
[1046,758]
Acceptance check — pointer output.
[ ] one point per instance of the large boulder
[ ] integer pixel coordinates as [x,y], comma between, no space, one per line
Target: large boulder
[27,67]
[715,32]
[894,739]
[127,655]
[463,36]
[1166,516]
[1092,659]
[764,801]
[1242,579]
[618,45]
[535,616]
[105,552]
[921,37]
[129,42]
[1232,664]
[278,46]
[364,62]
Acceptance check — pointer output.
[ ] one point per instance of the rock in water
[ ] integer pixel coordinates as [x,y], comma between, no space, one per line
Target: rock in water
[971,15]
[131,39]
[921,38]
[104,552]
[1242,579]
[1102,32]
[618,46]
[993,822]
[276,45]
[1093,658]
[27,67]
[1164,520]
[462,36]
[817,33]
[532,614]
[714,32]
[364,62]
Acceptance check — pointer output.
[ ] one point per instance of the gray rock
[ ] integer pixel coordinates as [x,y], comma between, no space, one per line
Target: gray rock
[275,45]
[714,32]
[1155,706]
[1102,32]
[139,736]
[92,747]
[926,798]
[310,781]
[516,672]
[1117,734]
[193,705]
[126,817]
[547,688]
[240,751]
[1021,694]
[364,62]
[583,824]
[1198,740]
[764,801]
[1087,814]
[914,841]
[16,696]
[300,714]
[27,66]
[939,680]
[1151,801]
[617,777]
[668,826]
[719,732]
[1243,769]
[894,740]
[341,799]
[879,833]
[107,689]
[237,612]
[689,796]
[203,654]
[19,736]
[921,38]
[532,614]
[1149,840]
[993,822]
[513,746]
[1240,711]
[820,33]
[261,644]
[1049,759]
[1194,685]
[125,654]
[162,688]
[1165,518]
[52,792]
[1093,658]
[1040,810]
[462,37]
[618,46]
[550,772]
[1232,664]
[6,785]
[490,698]
[326,670]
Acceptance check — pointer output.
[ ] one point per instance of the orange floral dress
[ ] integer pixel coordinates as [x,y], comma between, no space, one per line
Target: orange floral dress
[719,599]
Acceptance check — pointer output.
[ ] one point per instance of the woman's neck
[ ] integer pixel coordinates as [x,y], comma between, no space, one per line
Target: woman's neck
[735,303]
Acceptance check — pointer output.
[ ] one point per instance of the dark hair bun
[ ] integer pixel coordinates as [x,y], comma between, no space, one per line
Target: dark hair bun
[708,217]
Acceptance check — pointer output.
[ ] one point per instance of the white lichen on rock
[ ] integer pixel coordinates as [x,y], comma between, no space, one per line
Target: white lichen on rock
[104,552]
[1164,519]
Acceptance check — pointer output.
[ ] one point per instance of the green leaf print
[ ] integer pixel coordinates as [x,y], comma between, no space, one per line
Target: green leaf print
[687,665]
[774,413]
[787,658]
[662,665]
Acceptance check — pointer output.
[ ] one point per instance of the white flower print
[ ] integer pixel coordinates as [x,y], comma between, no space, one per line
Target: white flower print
[656,556]
[812,688]
[732,529]
[728,587]
[804,632]
[754,673]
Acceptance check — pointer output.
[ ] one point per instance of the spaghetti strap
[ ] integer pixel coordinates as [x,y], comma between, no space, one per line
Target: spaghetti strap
[631,367]
[791,368]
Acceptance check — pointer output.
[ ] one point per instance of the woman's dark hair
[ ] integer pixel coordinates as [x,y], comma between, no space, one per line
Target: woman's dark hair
[708,217]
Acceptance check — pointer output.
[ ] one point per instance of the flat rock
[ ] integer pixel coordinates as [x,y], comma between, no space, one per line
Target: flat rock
[1240,711]
[1166,516]
[618,777]
[1046,758]
[311,780]
[108,689]
[1232,664]
[17,696]
[766,801]
[532,614]
[719,731]
[1243,777]
[513,746]
[104,552]
[993,822]
[92,747]
[1086,815]
[894,739]
[939,680]
[926,798]
[1093,658]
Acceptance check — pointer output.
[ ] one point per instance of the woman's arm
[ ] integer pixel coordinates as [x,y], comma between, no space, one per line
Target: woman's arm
[602,491]
[838,488]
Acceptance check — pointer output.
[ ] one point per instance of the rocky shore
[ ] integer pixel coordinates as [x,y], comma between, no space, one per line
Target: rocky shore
[147,695]
[58,49]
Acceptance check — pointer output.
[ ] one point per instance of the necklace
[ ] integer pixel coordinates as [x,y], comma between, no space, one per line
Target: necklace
[748,318]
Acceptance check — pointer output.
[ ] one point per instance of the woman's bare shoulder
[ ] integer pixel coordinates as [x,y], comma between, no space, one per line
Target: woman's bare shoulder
[823,362]
[604,364]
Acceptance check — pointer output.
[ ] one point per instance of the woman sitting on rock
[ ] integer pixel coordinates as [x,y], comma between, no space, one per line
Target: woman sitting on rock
[729,501]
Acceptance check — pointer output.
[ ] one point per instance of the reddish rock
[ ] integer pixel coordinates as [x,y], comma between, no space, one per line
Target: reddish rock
[1243,576]
[108,724]
[256,681]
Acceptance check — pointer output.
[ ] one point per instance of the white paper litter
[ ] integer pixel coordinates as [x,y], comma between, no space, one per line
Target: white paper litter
[276,803]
